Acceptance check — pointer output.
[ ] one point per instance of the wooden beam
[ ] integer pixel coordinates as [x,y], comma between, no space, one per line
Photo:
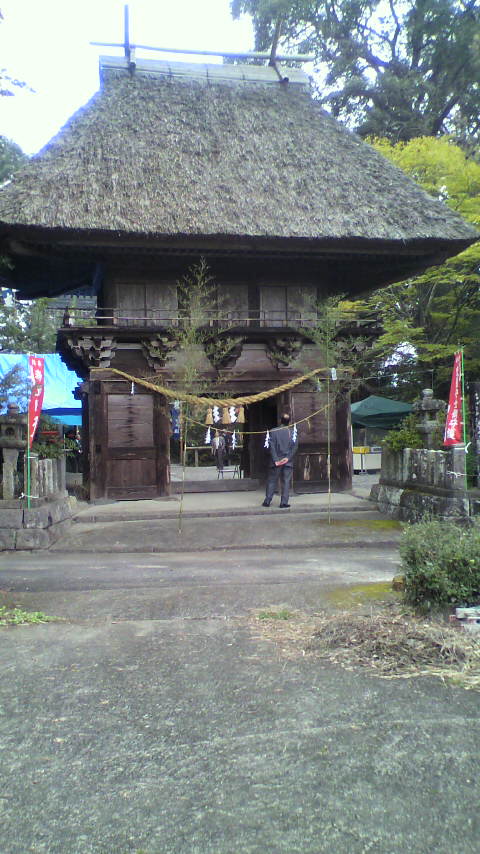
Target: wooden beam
[224,53]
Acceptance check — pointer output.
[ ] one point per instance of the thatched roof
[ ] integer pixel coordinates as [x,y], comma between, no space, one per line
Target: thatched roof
[226,151]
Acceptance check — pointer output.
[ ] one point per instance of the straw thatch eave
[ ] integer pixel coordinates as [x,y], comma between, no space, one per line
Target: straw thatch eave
[157,158]
[28,239]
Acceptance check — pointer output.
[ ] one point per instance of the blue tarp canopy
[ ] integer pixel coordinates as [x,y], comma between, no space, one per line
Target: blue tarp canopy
[377,411]
[60,384]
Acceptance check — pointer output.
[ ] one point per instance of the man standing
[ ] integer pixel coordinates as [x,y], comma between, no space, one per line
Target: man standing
[282,451]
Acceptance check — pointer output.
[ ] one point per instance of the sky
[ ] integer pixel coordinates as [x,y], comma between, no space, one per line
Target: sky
[46,43]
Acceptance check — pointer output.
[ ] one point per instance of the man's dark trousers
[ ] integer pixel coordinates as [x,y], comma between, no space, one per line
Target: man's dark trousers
[285,472]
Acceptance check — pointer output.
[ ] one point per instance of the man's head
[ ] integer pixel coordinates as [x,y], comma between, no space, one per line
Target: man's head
[285,419]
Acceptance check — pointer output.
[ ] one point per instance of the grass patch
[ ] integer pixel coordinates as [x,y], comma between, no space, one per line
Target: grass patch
[371,524]
[283,614]
[11,616]
[361,594]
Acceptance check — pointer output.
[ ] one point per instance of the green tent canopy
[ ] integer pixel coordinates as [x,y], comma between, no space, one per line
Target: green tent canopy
[376,411]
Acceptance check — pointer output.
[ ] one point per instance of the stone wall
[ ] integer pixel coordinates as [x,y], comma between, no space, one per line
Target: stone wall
[50,512]
[415,483]
[35,527]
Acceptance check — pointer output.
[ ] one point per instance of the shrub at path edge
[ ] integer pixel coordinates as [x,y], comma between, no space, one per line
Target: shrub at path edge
[441,564]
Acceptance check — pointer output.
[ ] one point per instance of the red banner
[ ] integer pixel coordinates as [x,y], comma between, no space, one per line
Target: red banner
[454,422]
[36,367]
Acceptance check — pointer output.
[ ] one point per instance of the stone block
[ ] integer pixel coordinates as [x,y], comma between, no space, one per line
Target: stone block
[11,518]
[60,510]
[59,529]
[7,539]
[47,514]
[37,517]
[33,538]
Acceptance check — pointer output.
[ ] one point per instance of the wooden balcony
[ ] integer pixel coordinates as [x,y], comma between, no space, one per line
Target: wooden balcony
[158,319]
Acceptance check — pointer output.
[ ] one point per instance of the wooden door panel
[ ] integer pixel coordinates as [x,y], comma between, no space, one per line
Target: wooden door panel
[131,467]
[131,478]
[315,429]
[273,305]
[130,421]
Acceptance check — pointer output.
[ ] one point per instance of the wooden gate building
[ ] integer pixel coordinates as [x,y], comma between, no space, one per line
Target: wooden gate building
[171,163]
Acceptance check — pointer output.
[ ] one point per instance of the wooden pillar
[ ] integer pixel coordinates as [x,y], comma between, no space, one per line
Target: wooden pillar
[162,435]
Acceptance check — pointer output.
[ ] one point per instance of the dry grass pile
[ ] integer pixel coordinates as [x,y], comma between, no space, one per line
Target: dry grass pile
[389,645]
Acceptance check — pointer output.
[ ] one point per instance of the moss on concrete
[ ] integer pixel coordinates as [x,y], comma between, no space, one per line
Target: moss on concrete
[361,594]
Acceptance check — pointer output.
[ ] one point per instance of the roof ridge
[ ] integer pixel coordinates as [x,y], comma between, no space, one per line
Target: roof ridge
[202,71]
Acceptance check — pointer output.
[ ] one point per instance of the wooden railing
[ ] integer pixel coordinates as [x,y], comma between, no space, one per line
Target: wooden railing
[161,319]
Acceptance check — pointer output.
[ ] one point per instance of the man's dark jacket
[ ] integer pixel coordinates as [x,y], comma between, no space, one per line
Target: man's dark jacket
[282,444]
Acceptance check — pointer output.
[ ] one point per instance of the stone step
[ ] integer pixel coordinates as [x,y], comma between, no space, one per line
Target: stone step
[102,514]
[269,529]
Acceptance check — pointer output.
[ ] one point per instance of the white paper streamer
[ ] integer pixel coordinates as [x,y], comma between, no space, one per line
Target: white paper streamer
[334,373]
[216,414]
[294,433]
[232,414]
[132,389]
[208,437]
[234,440]
[267,439]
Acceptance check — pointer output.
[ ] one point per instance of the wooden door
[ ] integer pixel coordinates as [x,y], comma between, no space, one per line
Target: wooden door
[261,417]
[273,305]
[131,458]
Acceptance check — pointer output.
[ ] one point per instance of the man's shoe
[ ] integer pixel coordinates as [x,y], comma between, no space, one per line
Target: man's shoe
[284,505]
[265,503]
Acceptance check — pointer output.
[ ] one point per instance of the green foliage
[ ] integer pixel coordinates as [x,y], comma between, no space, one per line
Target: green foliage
[18,616]
[14,388]
[47,450]
[282,614]
[404,436]
[402,71]
[197,300]
[441,564]
[12,158]
[55,449]
[426,318]
[200,312]
[328,328]
[26,327]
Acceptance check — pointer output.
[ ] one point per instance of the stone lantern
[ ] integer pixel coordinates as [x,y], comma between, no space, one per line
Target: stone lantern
[428,408]
[13,438]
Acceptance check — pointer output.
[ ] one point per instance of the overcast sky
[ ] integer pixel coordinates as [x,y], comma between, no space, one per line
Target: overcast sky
[46,44]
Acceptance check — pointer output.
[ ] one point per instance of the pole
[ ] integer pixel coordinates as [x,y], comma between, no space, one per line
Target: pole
[126,42]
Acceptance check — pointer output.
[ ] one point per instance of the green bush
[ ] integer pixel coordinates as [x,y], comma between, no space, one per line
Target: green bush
[404,436]
[441,564]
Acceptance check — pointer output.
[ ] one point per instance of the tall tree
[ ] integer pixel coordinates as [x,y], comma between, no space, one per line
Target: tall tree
[11,158]
[26,327]
[397,69]
[427,317]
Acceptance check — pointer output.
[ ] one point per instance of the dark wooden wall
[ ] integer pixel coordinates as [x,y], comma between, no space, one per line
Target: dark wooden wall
[128,439]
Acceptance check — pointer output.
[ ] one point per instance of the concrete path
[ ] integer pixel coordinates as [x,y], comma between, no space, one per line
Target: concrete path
[155,720]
